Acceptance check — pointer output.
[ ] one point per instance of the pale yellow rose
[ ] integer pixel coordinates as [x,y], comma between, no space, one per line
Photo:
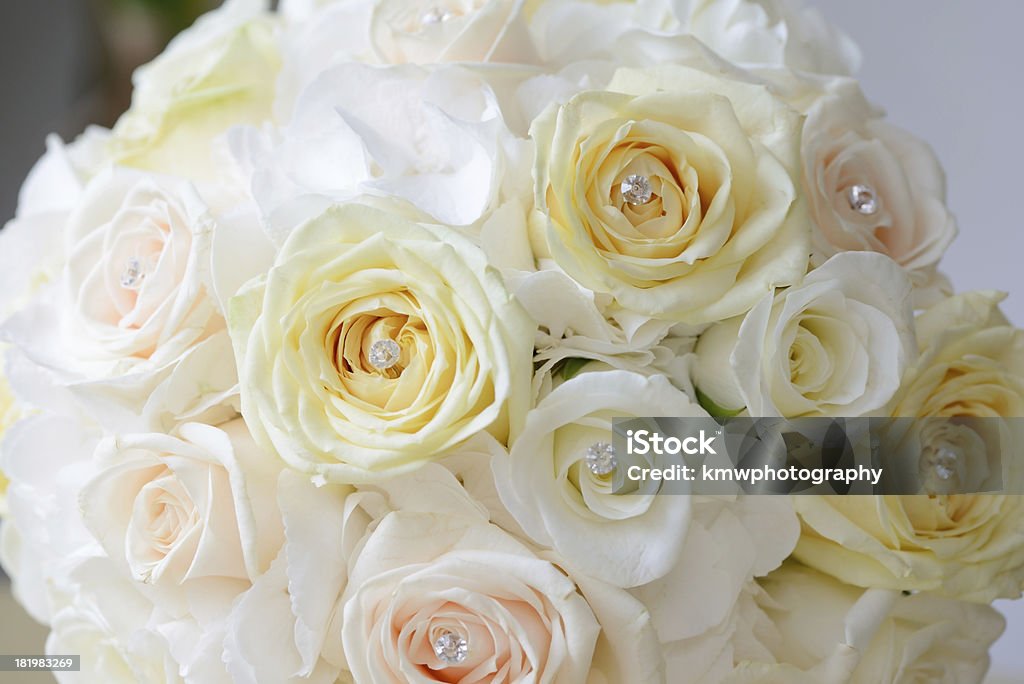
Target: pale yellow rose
[219,73]
[675,191]
[968,546]
[375,343]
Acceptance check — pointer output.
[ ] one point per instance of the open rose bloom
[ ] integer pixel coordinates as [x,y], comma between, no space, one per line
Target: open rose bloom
[311,362]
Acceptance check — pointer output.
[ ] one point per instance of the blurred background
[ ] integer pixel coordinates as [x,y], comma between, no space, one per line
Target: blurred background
[949,71]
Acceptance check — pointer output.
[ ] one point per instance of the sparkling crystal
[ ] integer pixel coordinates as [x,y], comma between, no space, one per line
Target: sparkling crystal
[944,463]
[636,189]
[384,354]
[862,199]
[435,15]
[132,275]
[451,648]
[601,459]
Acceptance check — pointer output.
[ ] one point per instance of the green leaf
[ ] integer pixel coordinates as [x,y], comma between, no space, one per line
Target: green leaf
[572,366]
[714,409]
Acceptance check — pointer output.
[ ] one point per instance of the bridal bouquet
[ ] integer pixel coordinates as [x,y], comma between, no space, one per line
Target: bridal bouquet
[311,361]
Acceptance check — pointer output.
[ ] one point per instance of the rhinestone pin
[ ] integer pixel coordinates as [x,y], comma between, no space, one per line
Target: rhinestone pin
[435,15]
[451,648]
[384,354]
[636,189]
[944,463]
[862,199]
[132,275]
[600,458]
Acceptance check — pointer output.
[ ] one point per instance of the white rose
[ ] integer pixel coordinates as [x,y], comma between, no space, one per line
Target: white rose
[848,634]
[674,191]
[376,343]
[450,31]
[703,609]
[561,501]
[837,344]
[179,509]
[872,186]
[132,317]
[433,138]
[218,73]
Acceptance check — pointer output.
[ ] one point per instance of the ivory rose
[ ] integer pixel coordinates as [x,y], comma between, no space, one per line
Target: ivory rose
[674,190]
[836,344]
[345,288]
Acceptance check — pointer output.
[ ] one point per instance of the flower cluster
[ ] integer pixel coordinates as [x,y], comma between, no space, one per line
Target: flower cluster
[310,362]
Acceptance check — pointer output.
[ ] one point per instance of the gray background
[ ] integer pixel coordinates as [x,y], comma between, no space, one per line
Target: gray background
[948,70]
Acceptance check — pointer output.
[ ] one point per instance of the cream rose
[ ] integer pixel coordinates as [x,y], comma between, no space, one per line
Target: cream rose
[847,634]
[557,480]
[836,344]
[450,31]
[675,191]
[177,509]
[873,187]
[968,546]
[216,74]
[375,343]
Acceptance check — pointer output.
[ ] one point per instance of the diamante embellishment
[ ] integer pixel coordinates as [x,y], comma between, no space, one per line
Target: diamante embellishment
[451,648]
[435,15]
[862,199]
[601,459]
[384,354]
[944,462]
[636,189]
[132,275]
